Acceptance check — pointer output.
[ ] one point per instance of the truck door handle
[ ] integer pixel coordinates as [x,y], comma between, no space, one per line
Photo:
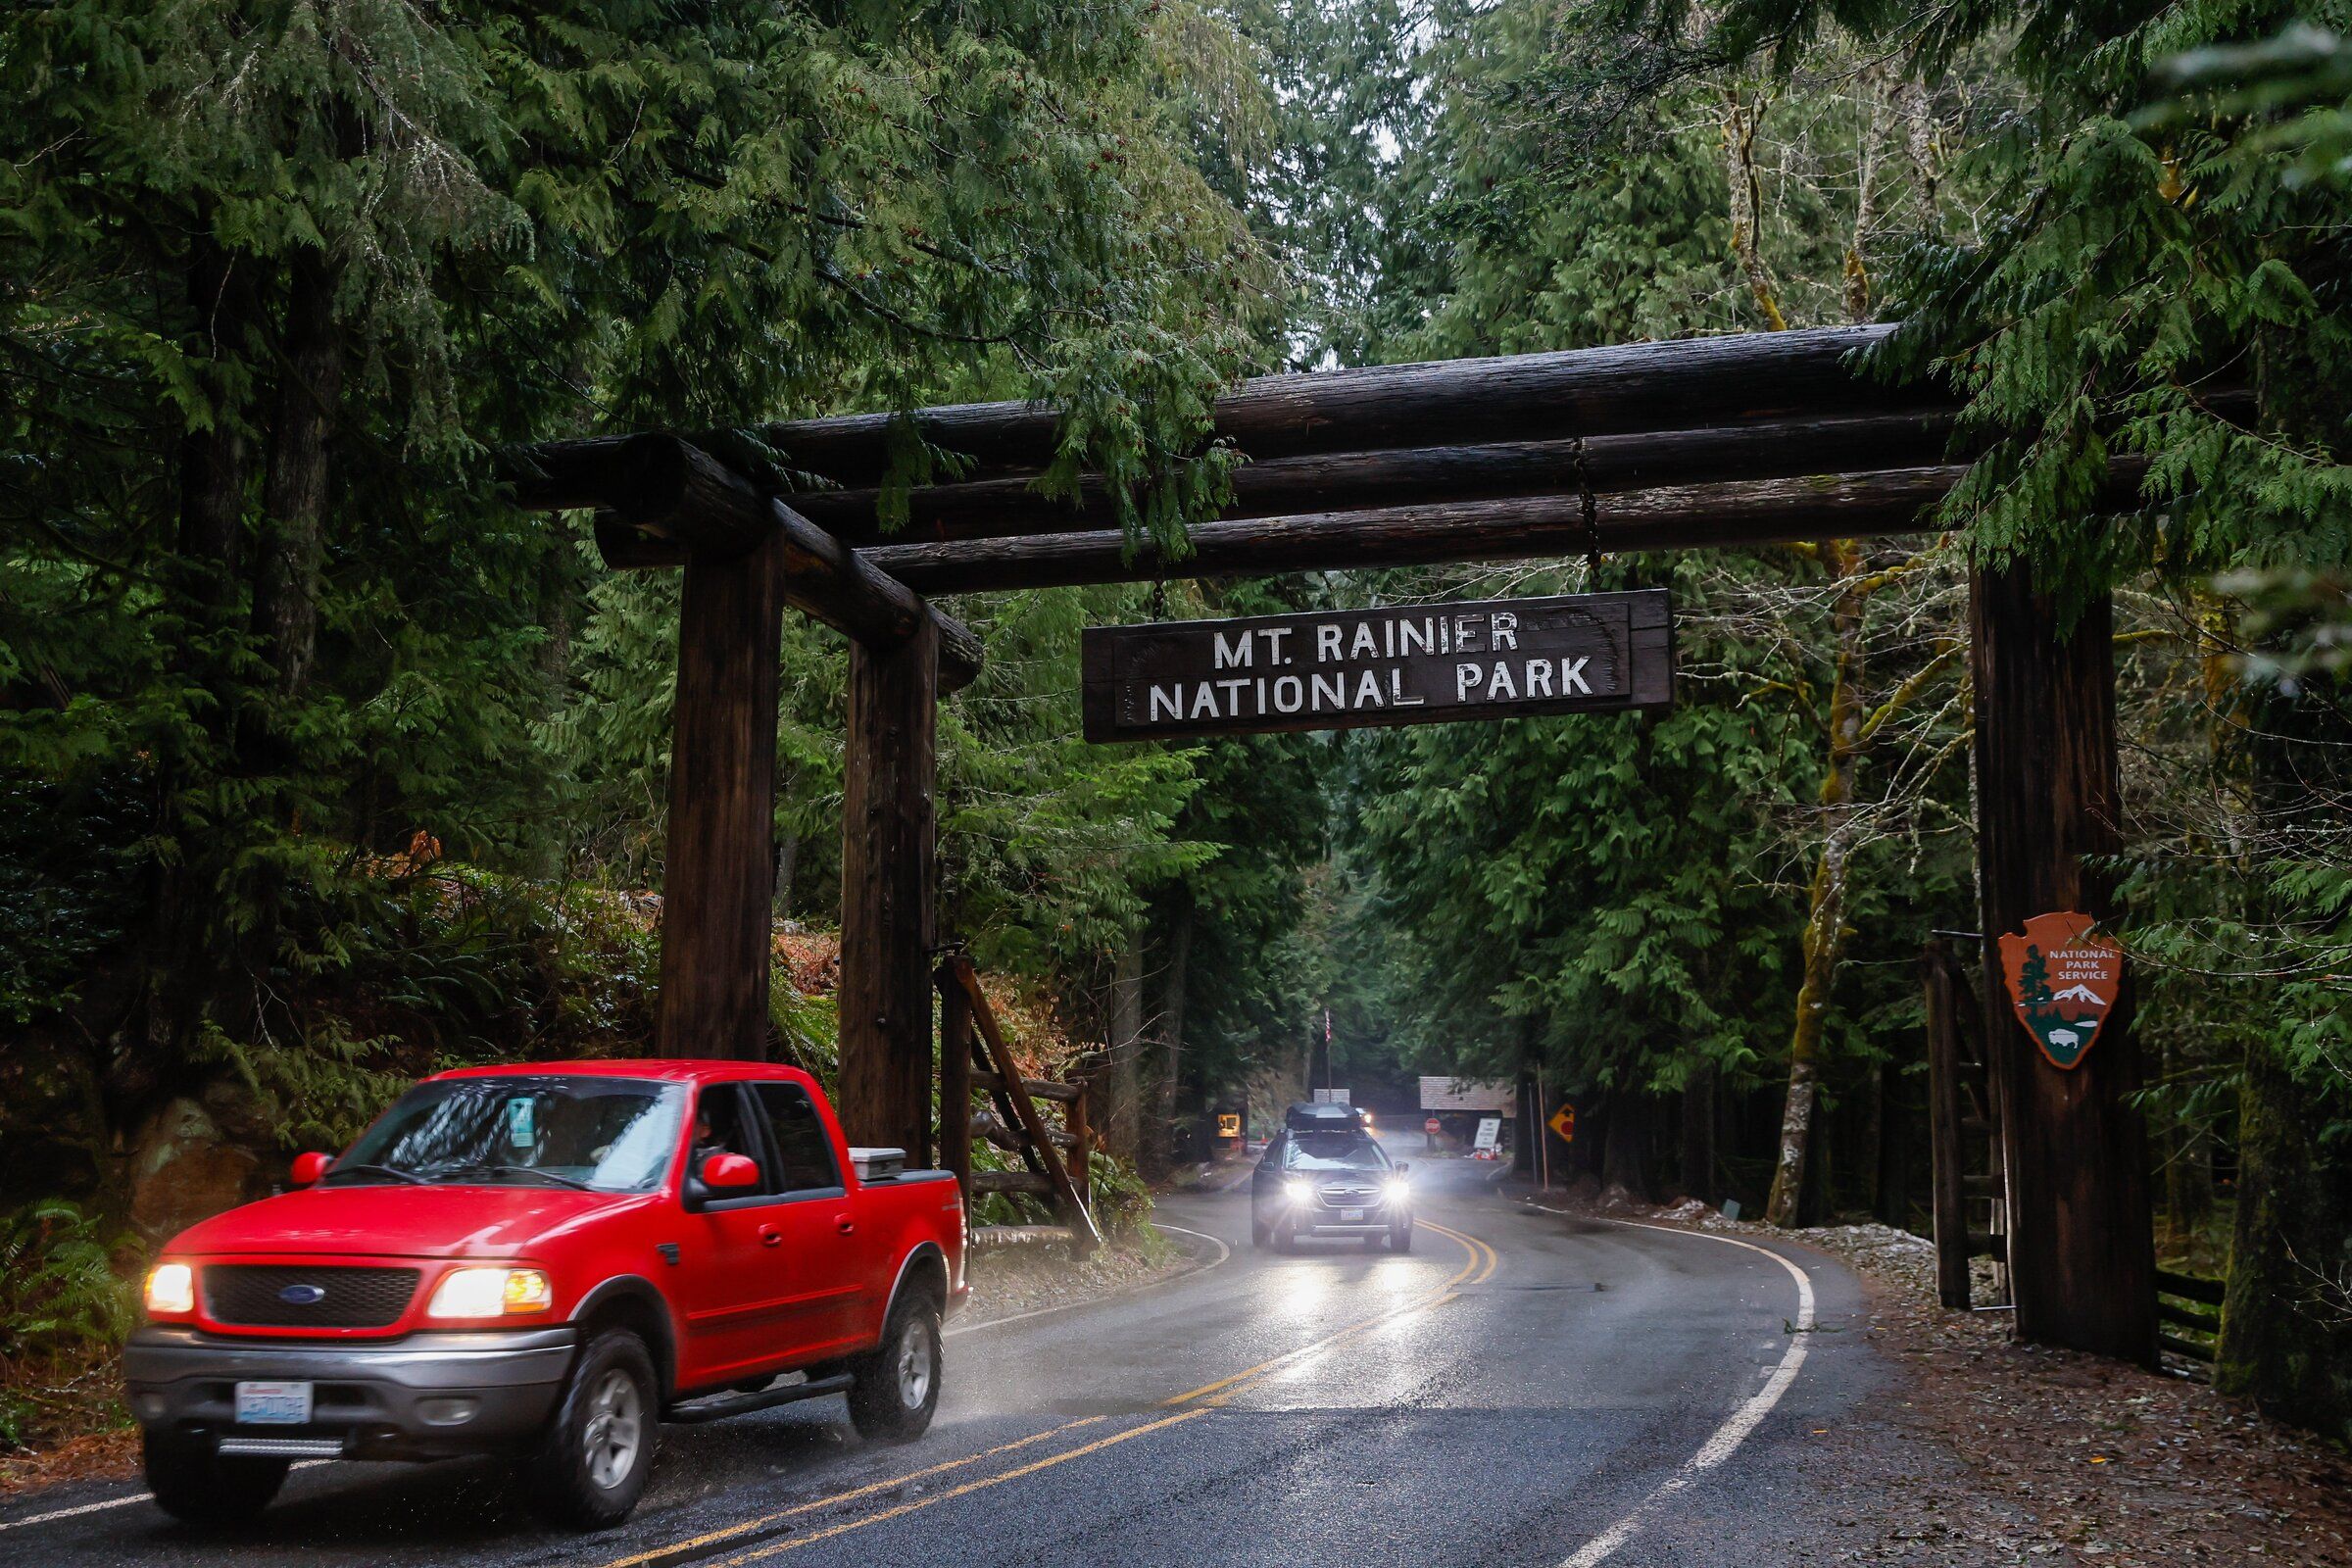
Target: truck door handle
[770,1235]
[844,1224]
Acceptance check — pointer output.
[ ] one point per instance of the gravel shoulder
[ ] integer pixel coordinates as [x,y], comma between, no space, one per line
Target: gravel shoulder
[1040,1276]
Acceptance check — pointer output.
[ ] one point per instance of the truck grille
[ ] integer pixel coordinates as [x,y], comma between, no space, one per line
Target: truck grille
[280,1294]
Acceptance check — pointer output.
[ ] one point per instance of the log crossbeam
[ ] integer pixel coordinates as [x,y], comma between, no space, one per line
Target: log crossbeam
[1484,470]
[663,501]
[1729,516]
[1740,379]
[1736,379]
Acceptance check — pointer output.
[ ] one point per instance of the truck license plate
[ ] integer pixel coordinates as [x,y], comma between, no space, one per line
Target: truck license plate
[274,1404]
[1349,1216]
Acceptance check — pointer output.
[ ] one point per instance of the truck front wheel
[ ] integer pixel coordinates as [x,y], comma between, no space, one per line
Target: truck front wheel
[593,1461]
[896,1387]
[194,1483]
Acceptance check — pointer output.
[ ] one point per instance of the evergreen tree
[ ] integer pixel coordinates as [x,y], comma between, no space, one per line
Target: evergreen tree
[277,281]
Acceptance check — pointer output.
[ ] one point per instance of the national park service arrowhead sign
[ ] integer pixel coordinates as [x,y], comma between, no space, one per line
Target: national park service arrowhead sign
[2063,983]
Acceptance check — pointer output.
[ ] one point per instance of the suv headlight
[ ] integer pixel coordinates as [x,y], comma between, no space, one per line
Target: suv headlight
[170,1289]
[1396,1189]
[491,1292]
[1298,1189]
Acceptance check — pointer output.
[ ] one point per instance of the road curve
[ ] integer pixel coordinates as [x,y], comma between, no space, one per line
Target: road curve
[1524,1389]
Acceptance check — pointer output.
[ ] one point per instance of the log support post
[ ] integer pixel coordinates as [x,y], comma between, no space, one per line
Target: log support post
[1082,1145]
[2080,1245]
[1947,994]
[955,1081]
[719,878]
[887,893]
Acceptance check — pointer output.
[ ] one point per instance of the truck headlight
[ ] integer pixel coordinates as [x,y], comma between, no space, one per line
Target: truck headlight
[1298,1189]
[172,1290]
[491,1292]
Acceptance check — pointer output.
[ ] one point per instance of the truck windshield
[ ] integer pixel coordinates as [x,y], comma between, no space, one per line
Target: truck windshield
[607,1135]
[1333,1151]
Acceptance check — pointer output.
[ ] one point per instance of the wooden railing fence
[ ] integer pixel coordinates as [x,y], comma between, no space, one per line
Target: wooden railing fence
[2179,1300]
[1962,1121]
[975,1058]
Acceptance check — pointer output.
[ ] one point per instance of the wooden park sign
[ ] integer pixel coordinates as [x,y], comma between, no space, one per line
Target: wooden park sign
[1345,669]
[2061,983]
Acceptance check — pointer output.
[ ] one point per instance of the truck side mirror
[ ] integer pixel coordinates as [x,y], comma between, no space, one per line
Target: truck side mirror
[724,1173]
[307,1168]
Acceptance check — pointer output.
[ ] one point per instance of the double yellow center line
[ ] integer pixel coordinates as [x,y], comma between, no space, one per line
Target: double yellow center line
[1188,1406]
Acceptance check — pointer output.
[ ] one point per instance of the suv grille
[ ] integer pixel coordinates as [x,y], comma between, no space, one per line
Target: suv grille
[274,1294]
[1349,1195]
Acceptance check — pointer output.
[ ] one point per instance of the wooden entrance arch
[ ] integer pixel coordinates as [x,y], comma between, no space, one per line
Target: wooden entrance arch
[1709,442]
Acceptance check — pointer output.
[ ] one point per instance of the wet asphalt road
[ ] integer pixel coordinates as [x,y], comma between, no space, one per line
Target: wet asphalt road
[1522,1389]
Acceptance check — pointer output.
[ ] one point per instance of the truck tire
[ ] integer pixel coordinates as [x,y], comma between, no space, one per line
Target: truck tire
[192,1482]
[896,1383]
[591,1463]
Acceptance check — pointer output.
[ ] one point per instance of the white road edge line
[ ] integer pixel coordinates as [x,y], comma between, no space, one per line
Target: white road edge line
[111,1502]
[1223,1254]
[1734,1432]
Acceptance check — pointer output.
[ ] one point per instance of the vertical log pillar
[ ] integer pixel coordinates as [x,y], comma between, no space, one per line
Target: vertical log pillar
[2080,1243]
[1081,1147]
[887,893]
[719,872]
[1945,996]
[955,1081]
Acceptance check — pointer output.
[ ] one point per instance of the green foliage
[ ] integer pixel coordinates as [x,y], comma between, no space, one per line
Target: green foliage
[809,1025]
[61,1302]
[232,678]
[1048,845]
[57,1285]
[1597,894]
[1258,810]
[1124,1205]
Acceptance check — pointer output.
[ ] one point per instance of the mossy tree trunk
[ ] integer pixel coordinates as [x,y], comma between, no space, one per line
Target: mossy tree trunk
[2286,1322]
[1824,902]
[1174,963]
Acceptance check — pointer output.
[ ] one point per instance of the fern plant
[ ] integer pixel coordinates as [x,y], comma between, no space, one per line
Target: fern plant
[62,1302]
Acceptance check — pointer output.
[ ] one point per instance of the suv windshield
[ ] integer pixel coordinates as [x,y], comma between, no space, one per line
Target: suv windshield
[609,1135]
[1333,1151]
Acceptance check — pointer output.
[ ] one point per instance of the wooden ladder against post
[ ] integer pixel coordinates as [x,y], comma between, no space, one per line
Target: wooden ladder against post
[1960,1112]
[974,1056]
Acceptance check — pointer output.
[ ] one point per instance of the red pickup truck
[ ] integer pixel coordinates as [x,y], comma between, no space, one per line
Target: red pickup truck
[548,1261]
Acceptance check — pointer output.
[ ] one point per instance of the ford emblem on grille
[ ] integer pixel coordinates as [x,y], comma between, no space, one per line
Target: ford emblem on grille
[302,1295]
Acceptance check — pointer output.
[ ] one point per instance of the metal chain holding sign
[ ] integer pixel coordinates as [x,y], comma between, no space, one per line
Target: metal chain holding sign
[1589,510]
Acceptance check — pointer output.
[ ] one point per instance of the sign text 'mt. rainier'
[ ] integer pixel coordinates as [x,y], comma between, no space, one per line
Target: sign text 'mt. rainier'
[1340,669]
